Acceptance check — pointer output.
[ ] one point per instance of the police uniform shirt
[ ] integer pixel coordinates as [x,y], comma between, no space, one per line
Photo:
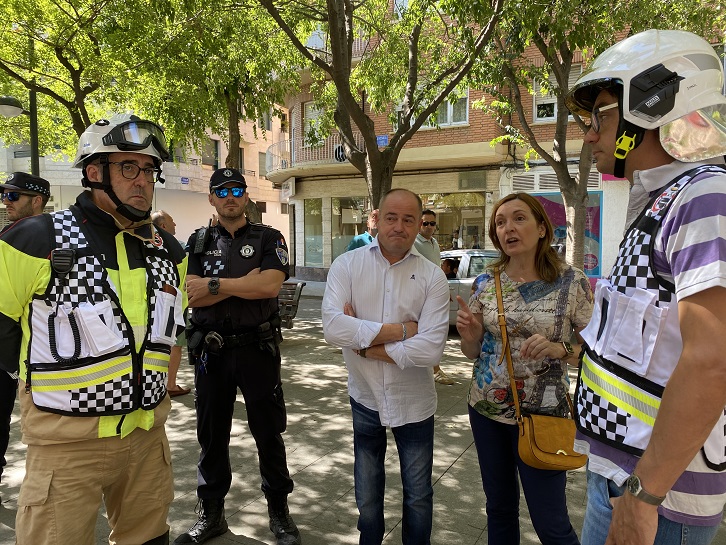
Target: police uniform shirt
[253,246]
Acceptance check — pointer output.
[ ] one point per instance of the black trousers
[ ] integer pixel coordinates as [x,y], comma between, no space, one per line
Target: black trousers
[8,390]
[256,372]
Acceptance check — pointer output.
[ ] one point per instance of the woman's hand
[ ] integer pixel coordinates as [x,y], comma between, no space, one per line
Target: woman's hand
[538,347]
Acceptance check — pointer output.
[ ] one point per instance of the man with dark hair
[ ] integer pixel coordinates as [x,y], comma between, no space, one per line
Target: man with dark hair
[236,269]
[428,247]
[90,307]
[652,388]
[23,195]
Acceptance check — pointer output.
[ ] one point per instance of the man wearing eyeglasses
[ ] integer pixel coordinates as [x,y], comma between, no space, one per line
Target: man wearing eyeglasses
[651,389]
[91,305]
[236,269]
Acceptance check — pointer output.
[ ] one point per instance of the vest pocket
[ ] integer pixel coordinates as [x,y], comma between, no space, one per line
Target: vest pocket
[624,328]
[167,318]
[66,334]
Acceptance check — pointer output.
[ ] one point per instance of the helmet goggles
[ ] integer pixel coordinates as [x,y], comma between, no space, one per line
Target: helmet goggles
[137,135]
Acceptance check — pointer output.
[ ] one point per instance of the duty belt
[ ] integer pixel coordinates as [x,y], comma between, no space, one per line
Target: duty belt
[240,340]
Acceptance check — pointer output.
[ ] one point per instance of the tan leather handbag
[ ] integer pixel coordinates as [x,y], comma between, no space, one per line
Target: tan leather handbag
[545,442]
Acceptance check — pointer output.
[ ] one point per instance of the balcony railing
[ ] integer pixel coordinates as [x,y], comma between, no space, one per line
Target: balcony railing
[295,153]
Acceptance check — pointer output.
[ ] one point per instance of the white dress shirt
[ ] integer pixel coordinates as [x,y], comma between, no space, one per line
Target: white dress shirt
[413,289]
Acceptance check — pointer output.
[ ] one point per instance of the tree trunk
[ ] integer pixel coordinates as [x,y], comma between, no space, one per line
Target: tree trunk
[232,160]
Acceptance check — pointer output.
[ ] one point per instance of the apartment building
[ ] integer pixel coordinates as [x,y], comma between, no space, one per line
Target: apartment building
[454,169]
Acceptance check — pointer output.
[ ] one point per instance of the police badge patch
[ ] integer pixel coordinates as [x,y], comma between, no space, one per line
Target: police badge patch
[247,251]
[282,255]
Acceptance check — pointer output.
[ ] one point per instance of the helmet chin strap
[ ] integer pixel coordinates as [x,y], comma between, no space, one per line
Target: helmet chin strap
[129,212]
[629,137]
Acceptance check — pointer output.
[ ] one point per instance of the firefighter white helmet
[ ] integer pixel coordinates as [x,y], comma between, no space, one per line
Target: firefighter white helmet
[669,79]
[123,132]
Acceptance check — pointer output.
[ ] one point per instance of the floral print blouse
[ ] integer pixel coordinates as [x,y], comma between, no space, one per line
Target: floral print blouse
[553,310]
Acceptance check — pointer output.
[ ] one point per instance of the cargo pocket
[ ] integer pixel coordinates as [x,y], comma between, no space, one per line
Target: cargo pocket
[35,491]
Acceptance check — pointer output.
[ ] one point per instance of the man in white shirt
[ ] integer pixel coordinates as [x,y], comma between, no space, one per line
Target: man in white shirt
[428,247]
[387,306]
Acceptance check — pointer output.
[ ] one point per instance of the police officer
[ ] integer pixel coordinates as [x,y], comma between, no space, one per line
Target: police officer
[236,270]
[91,304]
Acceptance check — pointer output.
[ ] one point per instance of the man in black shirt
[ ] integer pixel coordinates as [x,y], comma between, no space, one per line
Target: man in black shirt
[236,270]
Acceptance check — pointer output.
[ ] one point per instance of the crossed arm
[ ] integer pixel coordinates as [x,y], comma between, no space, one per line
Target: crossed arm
[254,285]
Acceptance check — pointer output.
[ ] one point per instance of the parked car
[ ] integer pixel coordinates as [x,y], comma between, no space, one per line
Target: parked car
[471,263]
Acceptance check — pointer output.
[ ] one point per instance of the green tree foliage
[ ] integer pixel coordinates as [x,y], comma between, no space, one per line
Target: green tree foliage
[556,30]
[414,56]
[77,55]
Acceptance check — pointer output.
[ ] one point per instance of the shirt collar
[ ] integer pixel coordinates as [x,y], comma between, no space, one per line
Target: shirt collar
[377,247]
[654,179]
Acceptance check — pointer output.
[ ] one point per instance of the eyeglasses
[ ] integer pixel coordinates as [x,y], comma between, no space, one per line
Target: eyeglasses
[131,171]
[595,116]
[223,192]
[427,223]
[13,196]
[137,135]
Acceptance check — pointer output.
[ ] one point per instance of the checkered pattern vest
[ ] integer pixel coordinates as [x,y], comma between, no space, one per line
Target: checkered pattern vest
[623,370]
[63,374]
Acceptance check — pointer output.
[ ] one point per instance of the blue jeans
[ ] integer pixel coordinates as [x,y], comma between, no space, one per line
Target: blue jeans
[599,514]
[415,443]
[544,490]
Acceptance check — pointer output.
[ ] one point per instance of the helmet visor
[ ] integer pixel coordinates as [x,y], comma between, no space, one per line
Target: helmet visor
[137,135]
[696,136]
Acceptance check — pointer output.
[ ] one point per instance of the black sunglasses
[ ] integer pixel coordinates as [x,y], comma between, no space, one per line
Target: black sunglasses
[13,196]
[222,192]
[427,223]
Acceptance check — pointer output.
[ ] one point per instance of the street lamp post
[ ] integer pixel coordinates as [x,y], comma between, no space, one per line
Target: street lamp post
[12,107]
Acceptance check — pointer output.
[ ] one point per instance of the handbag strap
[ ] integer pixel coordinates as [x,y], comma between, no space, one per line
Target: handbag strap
[506,350]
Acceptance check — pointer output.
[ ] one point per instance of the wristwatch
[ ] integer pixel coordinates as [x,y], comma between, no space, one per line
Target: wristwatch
[213,285]
[636,489]
[568,349]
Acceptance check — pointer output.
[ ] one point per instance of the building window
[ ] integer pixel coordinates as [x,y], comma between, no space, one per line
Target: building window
[313,232]
[210,153]
[284,208]
[311,131]
[349,217]
[242,160]
[545,103]
[262,168]
[449,114]
[266,121]
[261,206]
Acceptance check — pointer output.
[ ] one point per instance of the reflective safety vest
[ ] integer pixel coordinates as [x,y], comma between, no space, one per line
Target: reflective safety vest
[85,358]
[633,341]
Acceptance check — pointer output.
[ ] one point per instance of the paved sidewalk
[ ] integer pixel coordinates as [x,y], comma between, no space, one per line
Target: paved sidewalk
[320,456]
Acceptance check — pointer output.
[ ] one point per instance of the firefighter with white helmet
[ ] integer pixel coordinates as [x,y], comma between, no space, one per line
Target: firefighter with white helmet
[122,133]
[91,305]
[652,387]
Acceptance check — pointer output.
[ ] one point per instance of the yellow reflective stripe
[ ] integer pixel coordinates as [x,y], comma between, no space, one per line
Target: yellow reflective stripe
[156,361]
[618,392]
[90,375]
